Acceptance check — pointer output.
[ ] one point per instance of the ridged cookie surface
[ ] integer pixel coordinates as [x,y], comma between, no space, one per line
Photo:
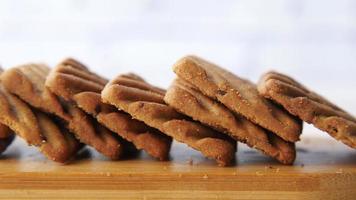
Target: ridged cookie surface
[145,103]
[186,99]
[239,95]
[309,106]
[76,83]
[28,83]
[37,128]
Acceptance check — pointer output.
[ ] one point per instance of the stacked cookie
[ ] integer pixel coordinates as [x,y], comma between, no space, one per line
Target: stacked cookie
[309,106]
[145,102]
[35,127]
[77,85]
[206,107]
[232,105]
[58,95]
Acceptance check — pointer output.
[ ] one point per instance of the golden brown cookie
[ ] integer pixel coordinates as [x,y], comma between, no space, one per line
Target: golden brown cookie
[74,82]
[239,95]
[187,100]
[6,134]
[28,83]
[309,106]
[37,128]
[145,103]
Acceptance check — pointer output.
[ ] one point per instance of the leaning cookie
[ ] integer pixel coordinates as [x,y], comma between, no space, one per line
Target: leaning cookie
[238,95]
[28,83]
[309,106]
[6,134]
[186,99]
[76,83]
[145,103]
[37,128]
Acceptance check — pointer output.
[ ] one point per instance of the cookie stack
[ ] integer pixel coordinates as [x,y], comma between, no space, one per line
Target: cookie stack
[206,107]
[232,106]
[145,102]
[35,127]
[59,96]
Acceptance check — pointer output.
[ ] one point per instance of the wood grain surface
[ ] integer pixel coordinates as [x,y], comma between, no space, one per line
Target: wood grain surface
[325,169]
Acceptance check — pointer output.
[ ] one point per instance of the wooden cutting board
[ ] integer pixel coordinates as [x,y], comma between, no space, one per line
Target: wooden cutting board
[325,169]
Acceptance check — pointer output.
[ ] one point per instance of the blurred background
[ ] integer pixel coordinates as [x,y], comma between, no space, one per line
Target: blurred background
[313,40]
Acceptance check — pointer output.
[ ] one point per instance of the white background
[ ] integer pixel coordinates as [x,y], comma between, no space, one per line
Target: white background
[313,40]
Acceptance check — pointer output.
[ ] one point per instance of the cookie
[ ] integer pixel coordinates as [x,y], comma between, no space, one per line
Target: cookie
[28,83]
[6,134]
[37,128]
[6,137]
[238,95]
[187,100]
[309,106]
[145,103]
[74,82]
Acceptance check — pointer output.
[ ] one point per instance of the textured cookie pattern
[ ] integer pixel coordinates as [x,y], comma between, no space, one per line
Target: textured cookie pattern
[28,83]
[74,82]
[145,103]
[309,106]
[37,128]
[186,99]
[239,95]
